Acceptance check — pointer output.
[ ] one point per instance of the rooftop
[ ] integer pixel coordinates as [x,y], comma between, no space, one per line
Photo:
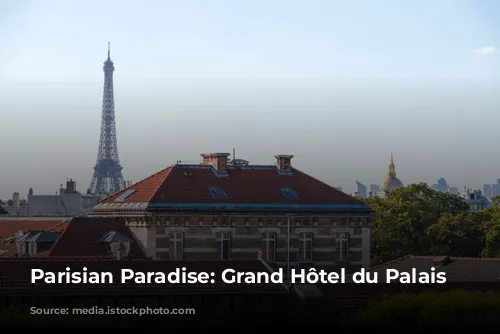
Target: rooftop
[82,237]
[37,227]
[75,237]
[235,188]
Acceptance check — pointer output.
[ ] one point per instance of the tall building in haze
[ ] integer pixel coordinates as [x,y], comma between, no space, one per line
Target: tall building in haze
[361,192]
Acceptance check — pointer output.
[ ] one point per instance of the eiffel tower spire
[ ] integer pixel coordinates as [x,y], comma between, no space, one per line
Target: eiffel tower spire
[107,178]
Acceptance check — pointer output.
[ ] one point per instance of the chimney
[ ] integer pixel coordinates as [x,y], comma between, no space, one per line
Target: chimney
[20,234]
[217,160]
[70,186]
[16,200]
[284,162]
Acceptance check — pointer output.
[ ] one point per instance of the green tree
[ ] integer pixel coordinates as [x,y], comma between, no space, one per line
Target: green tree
[491,229]
[457,235]
[404,217]
[492,244]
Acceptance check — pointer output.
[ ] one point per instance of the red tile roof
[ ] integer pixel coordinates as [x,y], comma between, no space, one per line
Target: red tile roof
[8,228]
[244,184]
[15,278]
[145,189]
[80,238]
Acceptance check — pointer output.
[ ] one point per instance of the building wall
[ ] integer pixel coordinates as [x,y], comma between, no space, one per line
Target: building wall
[17,210]
[63,204]
[89,201]
[318,241]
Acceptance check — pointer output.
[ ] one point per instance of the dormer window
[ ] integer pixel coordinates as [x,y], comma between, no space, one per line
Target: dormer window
[217,193]
[289,193]
[120,250]
[118,244]
[112,237]
[125,195]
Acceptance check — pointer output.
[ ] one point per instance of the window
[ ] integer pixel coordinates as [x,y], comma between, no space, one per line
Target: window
[269,248]
[306,246]
[217,193]
[126,194]
[342,246]
[176,246]
[289,193]
[224,243]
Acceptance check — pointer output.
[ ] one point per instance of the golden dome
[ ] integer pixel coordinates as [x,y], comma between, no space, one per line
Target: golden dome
[391,182]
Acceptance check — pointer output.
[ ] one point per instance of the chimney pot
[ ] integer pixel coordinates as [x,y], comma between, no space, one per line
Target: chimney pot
[217,160]
[284,162]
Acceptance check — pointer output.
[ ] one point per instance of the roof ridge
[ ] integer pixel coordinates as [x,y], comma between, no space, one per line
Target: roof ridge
[326,184]
[139,182]
[57,225]
[171,167]
[475,258]
[61,236]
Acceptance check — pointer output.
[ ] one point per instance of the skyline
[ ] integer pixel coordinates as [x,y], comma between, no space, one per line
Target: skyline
[326,81]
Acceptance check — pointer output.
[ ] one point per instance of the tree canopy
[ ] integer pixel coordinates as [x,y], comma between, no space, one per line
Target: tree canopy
[420,221]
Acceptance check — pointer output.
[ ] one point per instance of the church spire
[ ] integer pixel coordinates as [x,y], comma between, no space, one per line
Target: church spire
[392,167]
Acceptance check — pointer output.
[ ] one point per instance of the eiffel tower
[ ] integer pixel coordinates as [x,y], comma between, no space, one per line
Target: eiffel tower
[108,178]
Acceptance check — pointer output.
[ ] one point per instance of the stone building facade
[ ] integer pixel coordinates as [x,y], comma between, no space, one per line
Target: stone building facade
[223,211]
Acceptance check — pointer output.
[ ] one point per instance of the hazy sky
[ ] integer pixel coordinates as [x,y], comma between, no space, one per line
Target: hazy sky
[339,84]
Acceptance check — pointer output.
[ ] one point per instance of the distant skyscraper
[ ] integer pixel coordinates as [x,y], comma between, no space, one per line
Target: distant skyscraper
[374,189]
[495,189]
[453,190]
[487,190]
[107,177]
[361,189]
[442,185]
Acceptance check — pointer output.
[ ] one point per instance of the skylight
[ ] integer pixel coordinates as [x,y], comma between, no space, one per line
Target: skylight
[126,194]
[289,193]
[112,236]
[217,193]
